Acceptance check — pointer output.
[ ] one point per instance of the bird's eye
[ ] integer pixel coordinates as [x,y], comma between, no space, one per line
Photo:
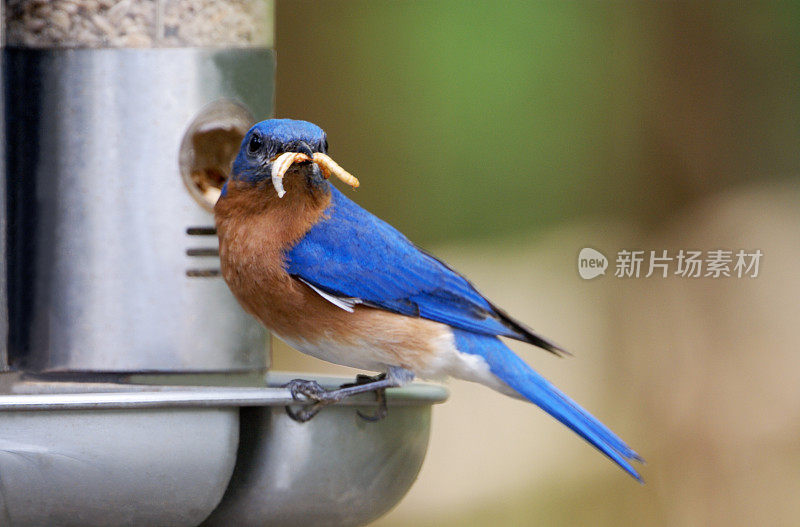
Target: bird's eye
[255,144]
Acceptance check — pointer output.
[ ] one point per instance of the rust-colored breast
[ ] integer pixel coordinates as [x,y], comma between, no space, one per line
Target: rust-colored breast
[255,228]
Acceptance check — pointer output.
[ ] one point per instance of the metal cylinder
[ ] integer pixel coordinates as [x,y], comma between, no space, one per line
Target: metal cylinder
[113,154]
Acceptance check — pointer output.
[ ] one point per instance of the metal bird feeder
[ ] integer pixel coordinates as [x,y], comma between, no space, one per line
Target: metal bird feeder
[135,391]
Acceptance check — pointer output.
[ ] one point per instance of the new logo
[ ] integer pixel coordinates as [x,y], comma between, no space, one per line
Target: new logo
[591,263]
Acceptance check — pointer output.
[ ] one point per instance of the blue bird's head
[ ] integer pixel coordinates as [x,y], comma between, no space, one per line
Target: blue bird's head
[277,147]
[267,139]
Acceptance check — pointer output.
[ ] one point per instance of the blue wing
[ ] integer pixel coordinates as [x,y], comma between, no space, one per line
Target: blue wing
[351,253]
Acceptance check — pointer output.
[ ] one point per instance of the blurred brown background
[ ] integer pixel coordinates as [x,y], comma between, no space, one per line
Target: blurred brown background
[505,138]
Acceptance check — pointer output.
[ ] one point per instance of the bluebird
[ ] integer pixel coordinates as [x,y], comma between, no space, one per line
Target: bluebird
[335,282]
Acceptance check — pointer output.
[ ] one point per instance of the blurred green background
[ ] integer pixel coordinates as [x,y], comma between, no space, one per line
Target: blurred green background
[505,137]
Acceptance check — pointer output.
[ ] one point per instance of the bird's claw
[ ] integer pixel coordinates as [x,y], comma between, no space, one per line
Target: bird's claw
[380,396]
[301,390]
[362,379]
[381,412]
[308,389]
[305,413]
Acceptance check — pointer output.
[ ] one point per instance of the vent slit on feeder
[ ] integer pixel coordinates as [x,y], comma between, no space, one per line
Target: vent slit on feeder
[202,251]
[201,231]
[203,273]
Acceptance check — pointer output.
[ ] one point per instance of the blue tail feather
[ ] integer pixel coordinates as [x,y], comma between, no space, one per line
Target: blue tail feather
[523,379]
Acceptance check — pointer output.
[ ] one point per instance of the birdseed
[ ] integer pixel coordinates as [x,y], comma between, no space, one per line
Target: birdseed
[138,23]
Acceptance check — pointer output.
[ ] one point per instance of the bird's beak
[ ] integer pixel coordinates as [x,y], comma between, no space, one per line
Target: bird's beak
[328,166]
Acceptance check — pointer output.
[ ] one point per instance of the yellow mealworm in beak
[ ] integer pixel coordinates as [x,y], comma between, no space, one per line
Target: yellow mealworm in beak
[281,165]
[329,166]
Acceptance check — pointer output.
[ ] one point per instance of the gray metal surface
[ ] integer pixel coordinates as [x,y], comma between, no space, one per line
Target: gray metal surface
[204,397]
[98,210]
[111,454]
[165,467]
[335,470]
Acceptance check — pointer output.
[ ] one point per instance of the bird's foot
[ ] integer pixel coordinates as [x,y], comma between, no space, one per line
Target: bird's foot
[302,389]
[305,413]
[381,412]
[380,396]
[309,389]
[396,376]
[362,379]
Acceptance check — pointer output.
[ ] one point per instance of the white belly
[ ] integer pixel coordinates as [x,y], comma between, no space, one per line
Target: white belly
[443,360]
[361,357]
